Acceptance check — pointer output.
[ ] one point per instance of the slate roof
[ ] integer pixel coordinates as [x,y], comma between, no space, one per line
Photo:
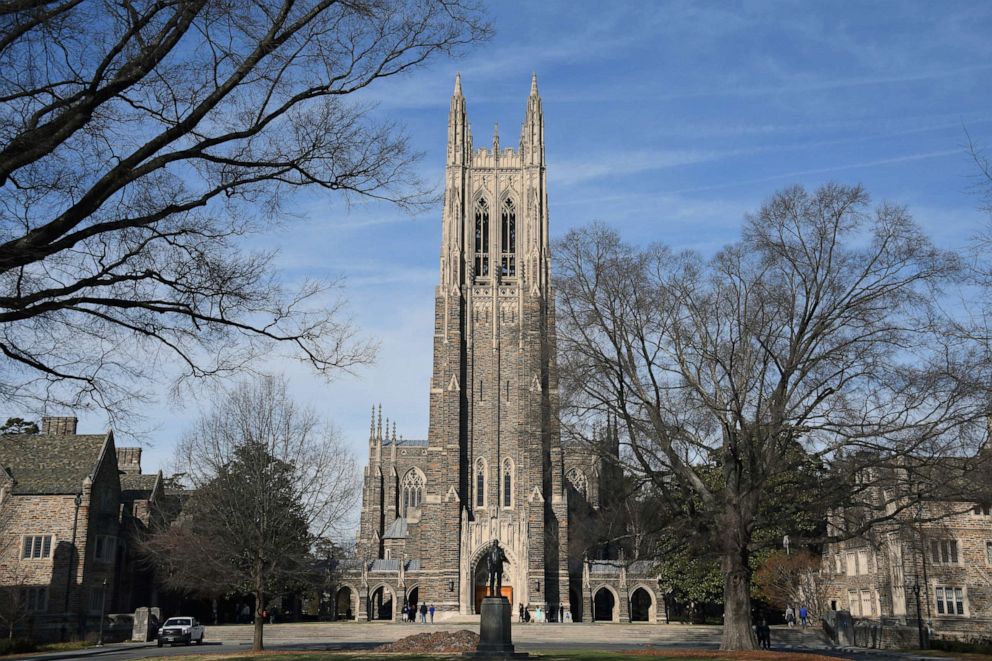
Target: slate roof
[407,442]
[45,464]
[397,530]
[393,565]
[137,487]
[603,568]
[638,568]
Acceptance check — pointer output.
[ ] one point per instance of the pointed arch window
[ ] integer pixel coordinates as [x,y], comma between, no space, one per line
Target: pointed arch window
[577,480]
[412,490]
[482,238]
[508,240]
[480,483]
[507,482]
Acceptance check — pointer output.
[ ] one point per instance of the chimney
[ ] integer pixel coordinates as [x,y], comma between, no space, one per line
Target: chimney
[129,460]
[59,426]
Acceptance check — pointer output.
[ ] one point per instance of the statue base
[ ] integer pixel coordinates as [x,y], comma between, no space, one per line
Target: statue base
[494,631]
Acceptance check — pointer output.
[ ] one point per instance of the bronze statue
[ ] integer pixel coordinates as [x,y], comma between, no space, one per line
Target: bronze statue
[494,563]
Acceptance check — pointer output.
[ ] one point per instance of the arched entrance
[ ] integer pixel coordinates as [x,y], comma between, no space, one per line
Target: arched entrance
[344,604]
[575,604]
[604,605]
[382,604]
[641,606]
[413,601]
[482,587]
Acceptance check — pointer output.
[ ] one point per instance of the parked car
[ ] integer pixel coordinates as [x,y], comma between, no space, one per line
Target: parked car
[180,630]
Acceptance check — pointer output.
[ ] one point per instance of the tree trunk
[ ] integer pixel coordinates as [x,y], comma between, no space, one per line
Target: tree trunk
[738,633]
[257,644]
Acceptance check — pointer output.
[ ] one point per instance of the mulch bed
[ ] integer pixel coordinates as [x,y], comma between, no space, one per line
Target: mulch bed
[437,642]
[751,655]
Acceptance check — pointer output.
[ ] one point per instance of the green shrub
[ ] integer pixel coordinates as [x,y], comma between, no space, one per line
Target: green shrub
[975,645]
[16,646]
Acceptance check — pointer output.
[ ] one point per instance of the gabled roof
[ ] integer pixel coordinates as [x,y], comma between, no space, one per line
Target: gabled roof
[138,486]
[397,530]
[48,464]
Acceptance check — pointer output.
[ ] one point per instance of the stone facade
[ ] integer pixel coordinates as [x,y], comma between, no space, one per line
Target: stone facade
[938,551]
[492,466]
[64,530]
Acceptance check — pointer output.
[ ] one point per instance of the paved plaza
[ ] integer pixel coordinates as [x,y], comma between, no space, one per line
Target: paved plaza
[349,636]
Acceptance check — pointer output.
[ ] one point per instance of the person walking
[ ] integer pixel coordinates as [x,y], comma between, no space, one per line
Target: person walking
[431,609]
[790,616]
[423,613]
[521,612]
[406,613]
[804,616]
[764,634]
[561,612]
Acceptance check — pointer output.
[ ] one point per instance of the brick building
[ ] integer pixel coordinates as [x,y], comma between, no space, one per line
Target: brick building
[68,505]
[493,466]
[933,559]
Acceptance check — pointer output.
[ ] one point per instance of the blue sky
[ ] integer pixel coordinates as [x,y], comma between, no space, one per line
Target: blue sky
[667,120]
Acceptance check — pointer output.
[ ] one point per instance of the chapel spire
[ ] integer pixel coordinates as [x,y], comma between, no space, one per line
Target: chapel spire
[459,138]
[532,130]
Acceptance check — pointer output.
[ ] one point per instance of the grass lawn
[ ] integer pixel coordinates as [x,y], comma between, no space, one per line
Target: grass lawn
[964,656]
[65,647]
[581,655]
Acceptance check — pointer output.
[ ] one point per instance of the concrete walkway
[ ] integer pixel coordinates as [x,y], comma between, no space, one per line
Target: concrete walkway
[558,634]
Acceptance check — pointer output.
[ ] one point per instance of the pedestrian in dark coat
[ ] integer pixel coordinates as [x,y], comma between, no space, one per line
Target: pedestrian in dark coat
[764,634]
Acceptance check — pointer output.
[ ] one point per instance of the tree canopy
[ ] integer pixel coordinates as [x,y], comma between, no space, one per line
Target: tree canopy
[141,141]
[271,484]
[821,329]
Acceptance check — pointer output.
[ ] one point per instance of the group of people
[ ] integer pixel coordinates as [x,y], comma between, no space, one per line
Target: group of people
[540,615]
[790,616]
[764,633]
[410,613]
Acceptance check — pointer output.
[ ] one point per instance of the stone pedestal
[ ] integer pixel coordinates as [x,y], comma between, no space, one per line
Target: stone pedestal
[494,630]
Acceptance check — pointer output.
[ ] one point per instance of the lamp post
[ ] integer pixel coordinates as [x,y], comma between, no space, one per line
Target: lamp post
[919,611]
[103,609]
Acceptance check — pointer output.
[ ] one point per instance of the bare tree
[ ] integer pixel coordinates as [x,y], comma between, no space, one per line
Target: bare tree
[140,140]
[819,328]
[792,579]
[270,483]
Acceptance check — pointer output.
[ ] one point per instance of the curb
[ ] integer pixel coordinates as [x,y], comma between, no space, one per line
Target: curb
[83,652]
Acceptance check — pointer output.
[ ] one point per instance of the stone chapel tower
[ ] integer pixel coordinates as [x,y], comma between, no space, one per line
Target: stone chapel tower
[491,467]
[494,391]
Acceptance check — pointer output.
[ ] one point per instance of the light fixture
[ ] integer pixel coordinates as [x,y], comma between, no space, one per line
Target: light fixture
[451,586]
[537,586]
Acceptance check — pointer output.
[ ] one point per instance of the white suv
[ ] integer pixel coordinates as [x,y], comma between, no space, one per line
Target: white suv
[180,630]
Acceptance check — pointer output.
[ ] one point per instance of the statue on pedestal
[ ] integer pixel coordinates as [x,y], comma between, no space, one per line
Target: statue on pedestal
[495,558]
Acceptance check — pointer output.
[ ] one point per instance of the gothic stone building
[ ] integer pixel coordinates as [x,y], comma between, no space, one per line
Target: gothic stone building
[69,504]
[492,466]
[934,558]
